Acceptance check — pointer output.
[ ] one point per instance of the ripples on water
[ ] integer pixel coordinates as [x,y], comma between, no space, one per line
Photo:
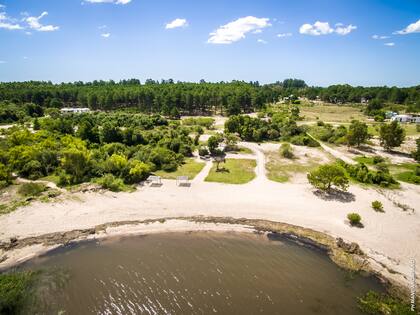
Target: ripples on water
[201,273]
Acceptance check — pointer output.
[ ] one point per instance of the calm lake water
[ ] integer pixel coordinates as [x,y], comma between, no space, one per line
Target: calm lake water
[198,273]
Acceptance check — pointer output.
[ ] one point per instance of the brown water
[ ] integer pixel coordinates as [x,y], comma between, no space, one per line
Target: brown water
[198,273]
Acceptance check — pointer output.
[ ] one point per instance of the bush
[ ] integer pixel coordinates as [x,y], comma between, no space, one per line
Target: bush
[202,151]
[111,182]
[377,206]
[31,189]
[378,159]
[304,140]
[286,151]
[354,218]
[14,287]
[374,303]
[139,171]
[327,176]
[5,176]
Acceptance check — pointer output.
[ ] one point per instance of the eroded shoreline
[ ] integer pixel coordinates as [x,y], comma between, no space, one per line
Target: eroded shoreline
[345,254]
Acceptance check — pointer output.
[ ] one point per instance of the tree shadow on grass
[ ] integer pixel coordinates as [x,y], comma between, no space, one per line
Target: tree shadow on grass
[335,195]
[222,170]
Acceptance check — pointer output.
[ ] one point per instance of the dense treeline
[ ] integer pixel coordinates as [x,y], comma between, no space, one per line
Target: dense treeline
[380,95]
[196,98]
[151,97]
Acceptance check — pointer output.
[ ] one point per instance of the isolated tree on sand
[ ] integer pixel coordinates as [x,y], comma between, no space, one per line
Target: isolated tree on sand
[358,133]
[326,177]
[391,135]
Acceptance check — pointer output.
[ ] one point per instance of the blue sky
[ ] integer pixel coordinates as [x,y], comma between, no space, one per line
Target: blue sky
[322,42]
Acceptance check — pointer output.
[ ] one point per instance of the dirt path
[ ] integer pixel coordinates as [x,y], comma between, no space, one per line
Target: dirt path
[337,154]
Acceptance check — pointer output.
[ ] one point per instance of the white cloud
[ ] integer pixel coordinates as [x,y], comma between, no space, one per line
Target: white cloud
[379,37]
[236,30]
[7,22]
[412,28]
[35,24]
[177,23]
[324,28]
[262,41]
[389,44]
[109,1]
[282,35]
[344,30]
[318,28]
[106,35]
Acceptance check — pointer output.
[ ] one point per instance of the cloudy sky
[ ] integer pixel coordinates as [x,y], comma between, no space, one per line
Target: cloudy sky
[360,42]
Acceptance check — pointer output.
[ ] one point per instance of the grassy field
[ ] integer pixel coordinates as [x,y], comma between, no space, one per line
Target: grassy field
[190,168]
[410,129]
[281,170]
[332,113]
[234,171]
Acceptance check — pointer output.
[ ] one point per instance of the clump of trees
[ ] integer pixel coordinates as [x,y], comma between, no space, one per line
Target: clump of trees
[280,126]
[327,177]
[81,148]
[361,173]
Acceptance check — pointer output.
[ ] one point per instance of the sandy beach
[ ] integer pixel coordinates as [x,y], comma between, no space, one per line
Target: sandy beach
[390,239]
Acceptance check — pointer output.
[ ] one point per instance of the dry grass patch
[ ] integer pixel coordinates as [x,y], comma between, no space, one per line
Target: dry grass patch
[281,169]
[332,113]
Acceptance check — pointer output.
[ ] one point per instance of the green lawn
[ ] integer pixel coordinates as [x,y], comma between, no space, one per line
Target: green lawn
[410,129]
[234,171]
[190,168]
[405,172]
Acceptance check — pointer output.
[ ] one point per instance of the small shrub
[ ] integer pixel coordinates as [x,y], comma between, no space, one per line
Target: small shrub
[286,151]
[377,206]
[354,218]
[202,151]
[320,123]
[378,159]
[31,189]
[111,182]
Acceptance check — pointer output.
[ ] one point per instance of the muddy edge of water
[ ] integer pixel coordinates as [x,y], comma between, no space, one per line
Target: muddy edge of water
[346,255]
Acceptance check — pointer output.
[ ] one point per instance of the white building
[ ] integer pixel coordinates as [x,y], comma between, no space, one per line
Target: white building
[75,110]
[406,118]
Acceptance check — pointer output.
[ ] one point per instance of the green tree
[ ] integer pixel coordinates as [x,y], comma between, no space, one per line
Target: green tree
[358,133]
[5,176]
[76,164]
[391,135]
[327,176]
[213,143]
